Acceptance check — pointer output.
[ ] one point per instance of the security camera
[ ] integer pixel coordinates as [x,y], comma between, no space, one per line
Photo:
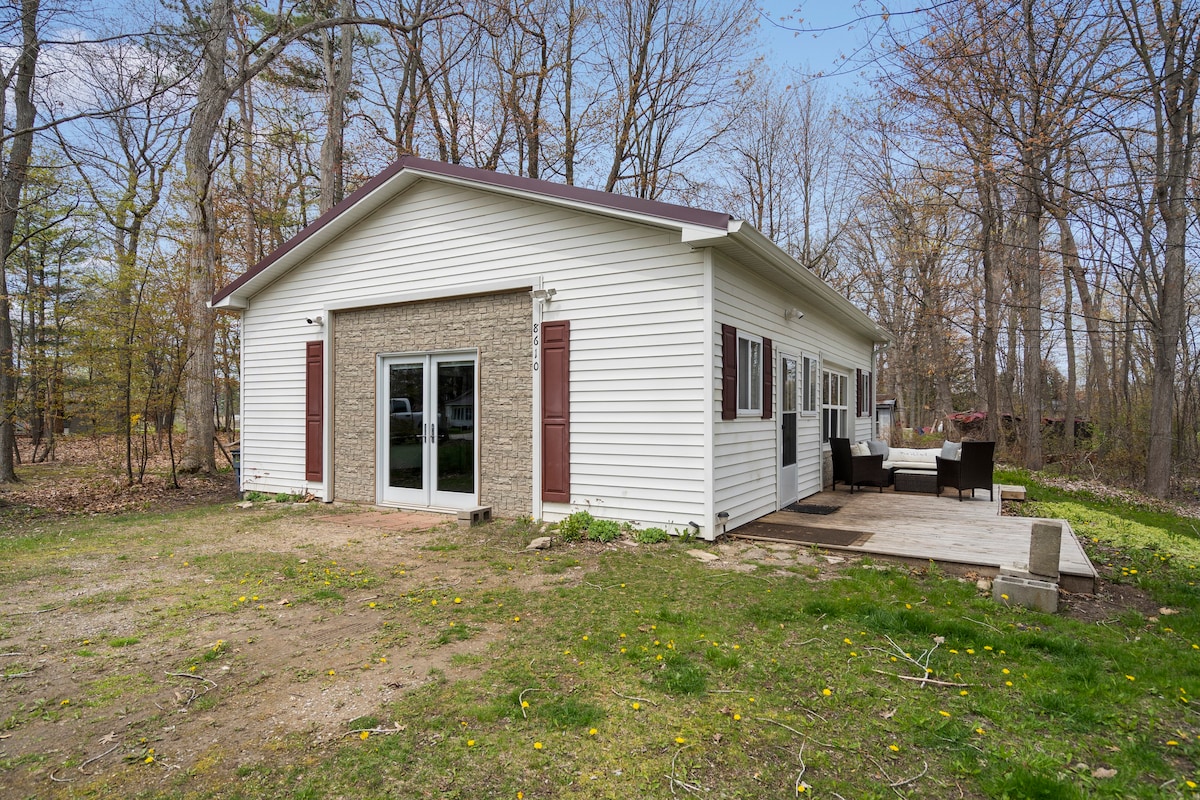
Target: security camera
[317,320]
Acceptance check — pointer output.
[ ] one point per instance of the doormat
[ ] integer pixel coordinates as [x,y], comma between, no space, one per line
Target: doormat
[811,508]
[802,534]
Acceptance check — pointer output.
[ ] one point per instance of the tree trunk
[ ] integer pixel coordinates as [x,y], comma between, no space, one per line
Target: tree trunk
[339,71]
[11,185]
[212,94]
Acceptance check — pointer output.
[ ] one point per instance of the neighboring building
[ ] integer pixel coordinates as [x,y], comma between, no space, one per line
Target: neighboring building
[450,337]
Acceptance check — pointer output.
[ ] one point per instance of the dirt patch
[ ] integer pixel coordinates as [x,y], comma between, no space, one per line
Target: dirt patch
[138,653]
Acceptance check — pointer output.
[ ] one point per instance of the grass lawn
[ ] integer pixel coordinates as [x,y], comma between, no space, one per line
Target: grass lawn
[280,652]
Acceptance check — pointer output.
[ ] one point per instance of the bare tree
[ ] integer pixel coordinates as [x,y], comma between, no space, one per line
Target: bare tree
[1164,38]
[16,79]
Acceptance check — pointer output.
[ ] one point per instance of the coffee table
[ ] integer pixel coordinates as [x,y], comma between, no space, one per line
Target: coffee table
[915,480]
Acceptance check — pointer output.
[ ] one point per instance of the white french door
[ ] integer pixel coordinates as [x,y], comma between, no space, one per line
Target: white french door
[789,491]
[426,431]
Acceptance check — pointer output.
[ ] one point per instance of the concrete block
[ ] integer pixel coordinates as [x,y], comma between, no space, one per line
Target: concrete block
[1027,592]
[1012,492]
[470,517]
[1045,546]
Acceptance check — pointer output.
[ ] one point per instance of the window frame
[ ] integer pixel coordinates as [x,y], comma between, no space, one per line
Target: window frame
[834,403]
[749,379]
[810,385]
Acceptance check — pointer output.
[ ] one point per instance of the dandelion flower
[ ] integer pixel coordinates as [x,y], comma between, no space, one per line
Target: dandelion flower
[371,605]
[963,692]
[895,748]
[592,731]
[149,760]
[331,672]
[847,641]
[433,602]
[524,704]
[1172,743]
[680,740]
[537,745]
[636,706]
[737,717]
[66,702]
[457,600]
[1130,677]
[516,619]
[945,714]
[470,742]
[364,735]
[827,692]
[980,731]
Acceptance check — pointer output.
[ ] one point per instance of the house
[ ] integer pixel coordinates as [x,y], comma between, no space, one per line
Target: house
[649,362]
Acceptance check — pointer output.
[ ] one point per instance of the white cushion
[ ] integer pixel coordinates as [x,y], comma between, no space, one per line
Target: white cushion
[952,450]
[860,449]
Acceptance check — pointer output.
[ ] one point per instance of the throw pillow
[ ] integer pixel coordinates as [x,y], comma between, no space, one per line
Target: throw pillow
[860,449]
[952,450]
[878,447]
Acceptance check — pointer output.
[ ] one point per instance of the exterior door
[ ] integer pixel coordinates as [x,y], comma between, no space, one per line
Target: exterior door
[426,431]
[789,491]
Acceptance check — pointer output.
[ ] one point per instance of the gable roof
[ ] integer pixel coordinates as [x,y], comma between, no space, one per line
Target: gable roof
[697,227]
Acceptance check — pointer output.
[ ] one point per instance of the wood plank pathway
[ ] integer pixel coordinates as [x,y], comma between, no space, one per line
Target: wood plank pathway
[967,536]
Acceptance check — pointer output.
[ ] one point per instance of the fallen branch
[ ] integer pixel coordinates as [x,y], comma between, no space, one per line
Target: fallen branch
[691,787]
[93,759]
[195,695]
[38,611]
[396,728]
[800,778]
[984,624]
[521,700]
[20,674]
[907,781]
[634,699]
[920,680]
[801,734]
[7,655]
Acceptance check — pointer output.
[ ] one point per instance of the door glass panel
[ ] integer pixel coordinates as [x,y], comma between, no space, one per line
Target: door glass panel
[789,384]
[455,453]
[406,402]
[788,413]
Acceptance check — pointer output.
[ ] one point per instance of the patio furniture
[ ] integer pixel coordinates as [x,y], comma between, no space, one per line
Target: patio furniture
[915,480]
[856,470]
[972,470]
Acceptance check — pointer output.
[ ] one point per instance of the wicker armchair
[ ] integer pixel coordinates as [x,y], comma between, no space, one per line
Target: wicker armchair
[973,469]
[856,470]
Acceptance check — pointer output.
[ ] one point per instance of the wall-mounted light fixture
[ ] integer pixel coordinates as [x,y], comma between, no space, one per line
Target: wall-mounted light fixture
[793,314]
[316,319]
[543,294]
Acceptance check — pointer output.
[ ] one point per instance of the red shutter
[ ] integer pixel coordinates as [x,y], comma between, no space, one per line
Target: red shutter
[314,410]
[768,378]
[556,412]
[729,357]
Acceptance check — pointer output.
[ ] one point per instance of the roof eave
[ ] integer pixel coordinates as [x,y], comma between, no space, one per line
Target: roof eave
[792,271]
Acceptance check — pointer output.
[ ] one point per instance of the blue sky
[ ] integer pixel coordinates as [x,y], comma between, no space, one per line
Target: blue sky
[833,39]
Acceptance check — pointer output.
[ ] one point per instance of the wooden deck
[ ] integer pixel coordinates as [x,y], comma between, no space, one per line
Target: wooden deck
[967,536]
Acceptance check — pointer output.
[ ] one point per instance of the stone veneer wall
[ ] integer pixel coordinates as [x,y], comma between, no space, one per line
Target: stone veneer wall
[498,326]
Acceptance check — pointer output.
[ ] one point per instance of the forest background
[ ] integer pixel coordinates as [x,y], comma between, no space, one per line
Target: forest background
[1010,188]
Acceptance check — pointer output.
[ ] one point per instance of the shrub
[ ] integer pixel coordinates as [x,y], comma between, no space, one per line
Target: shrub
[651,536]
[604,530]
[575,527]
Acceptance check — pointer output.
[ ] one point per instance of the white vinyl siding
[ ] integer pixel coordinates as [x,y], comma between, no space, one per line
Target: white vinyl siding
[745,452]
[634,296]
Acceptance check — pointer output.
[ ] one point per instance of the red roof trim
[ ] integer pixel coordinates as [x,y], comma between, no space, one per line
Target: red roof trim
[553,191]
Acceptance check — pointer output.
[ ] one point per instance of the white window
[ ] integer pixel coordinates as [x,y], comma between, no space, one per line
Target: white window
[810,382]
[834,410]
[749,374]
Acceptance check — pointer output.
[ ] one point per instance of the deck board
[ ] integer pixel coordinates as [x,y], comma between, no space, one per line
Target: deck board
[970,535]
